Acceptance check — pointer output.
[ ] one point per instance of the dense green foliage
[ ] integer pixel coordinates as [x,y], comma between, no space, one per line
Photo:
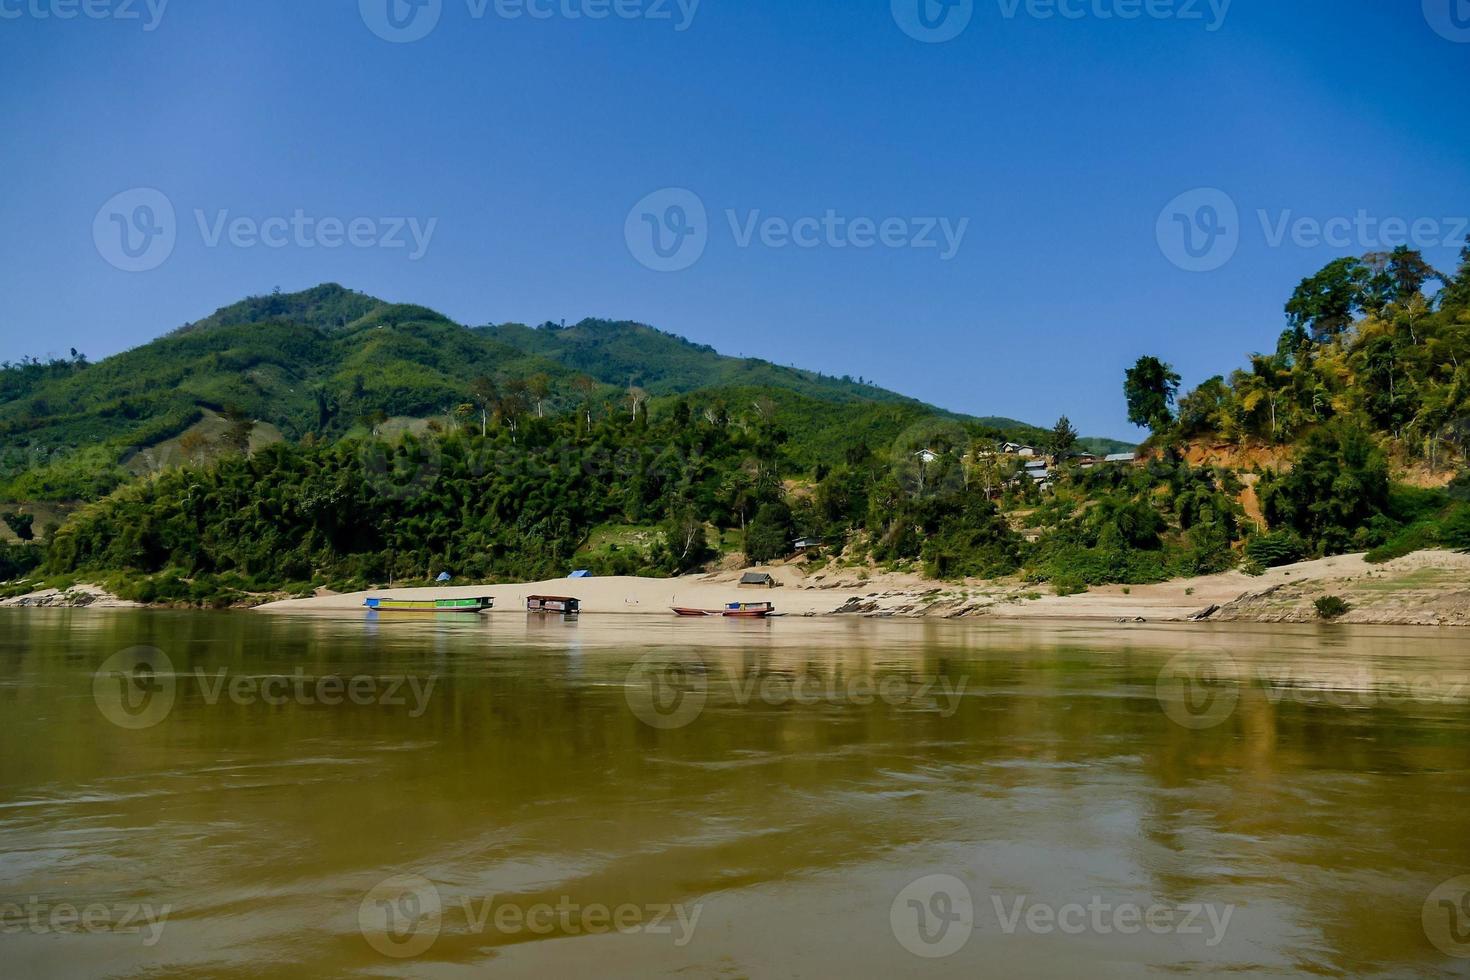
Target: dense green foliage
[331,363]
[538,440]
[1137,524]
[18,559]
[1364,344]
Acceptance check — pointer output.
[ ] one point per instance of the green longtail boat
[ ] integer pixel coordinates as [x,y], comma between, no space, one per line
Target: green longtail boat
[431,605]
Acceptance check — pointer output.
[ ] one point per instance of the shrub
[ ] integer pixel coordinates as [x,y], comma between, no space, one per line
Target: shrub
[1068,586]
[1455,533]
[1276,548]
[1331,607]
[1416,538]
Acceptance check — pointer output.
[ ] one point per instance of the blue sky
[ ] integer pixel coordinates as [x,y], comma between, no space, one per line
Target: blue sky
[1066,156]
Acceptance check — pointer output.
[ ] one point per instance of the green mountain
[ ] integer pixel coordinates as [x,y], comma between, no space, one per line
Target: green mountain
[329,361]
[619,449]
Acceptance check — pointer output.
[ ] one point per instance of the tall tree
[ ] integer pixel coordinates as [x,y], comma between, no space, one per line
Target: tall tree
[1150,387]
[540,387]
[485,395]
[1063,440]
[586,387]
[241,425]
[1325,303]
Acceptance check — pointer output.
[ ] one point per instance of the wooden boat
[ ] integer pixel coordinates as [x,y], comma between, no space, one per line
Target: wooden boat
[749,610]
[693,613]
[554,604]
[468,606]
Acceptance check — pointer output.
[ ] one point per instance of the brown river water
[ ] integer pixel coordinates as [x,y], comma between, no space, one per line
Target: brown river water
[248,795]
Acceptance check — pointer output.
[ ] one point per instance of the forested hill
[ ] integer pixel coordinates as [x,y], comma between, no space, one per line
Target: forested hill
[532,451]
[330,362]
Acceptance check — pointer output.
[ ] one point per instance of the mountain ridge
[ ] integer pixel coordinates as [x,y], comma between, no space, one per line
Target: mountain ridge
[326,360]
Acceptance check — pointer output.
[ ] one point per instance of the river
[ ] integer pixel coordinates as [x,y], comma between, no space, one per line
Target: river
[242,795]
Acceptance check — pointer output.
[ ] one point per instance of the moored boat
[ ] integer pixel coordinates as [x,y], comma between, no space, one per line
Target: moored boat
[749,610]
[556,604]
[468,606]
[694,613]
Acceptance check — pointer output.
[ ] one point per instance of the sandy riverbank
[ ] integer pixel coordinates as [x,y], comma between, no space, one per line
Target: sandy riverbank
[1429,588]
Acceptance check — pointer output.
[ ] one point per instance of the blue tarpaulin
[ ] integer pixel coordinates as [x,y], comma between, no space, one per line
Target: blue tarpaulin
[444,577]
[580,573]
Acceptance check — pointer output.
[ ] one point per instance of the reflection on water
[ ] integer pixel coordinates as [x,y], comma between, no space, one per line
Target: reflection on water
[246,795]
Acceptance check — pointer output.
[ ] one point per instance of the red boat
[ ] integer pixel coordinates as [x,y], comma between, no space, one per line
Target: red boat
[735,610]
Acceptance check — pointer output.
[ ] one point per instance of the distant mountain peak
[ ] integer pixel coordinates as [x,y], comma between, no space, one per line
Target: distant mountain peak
[327,307]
